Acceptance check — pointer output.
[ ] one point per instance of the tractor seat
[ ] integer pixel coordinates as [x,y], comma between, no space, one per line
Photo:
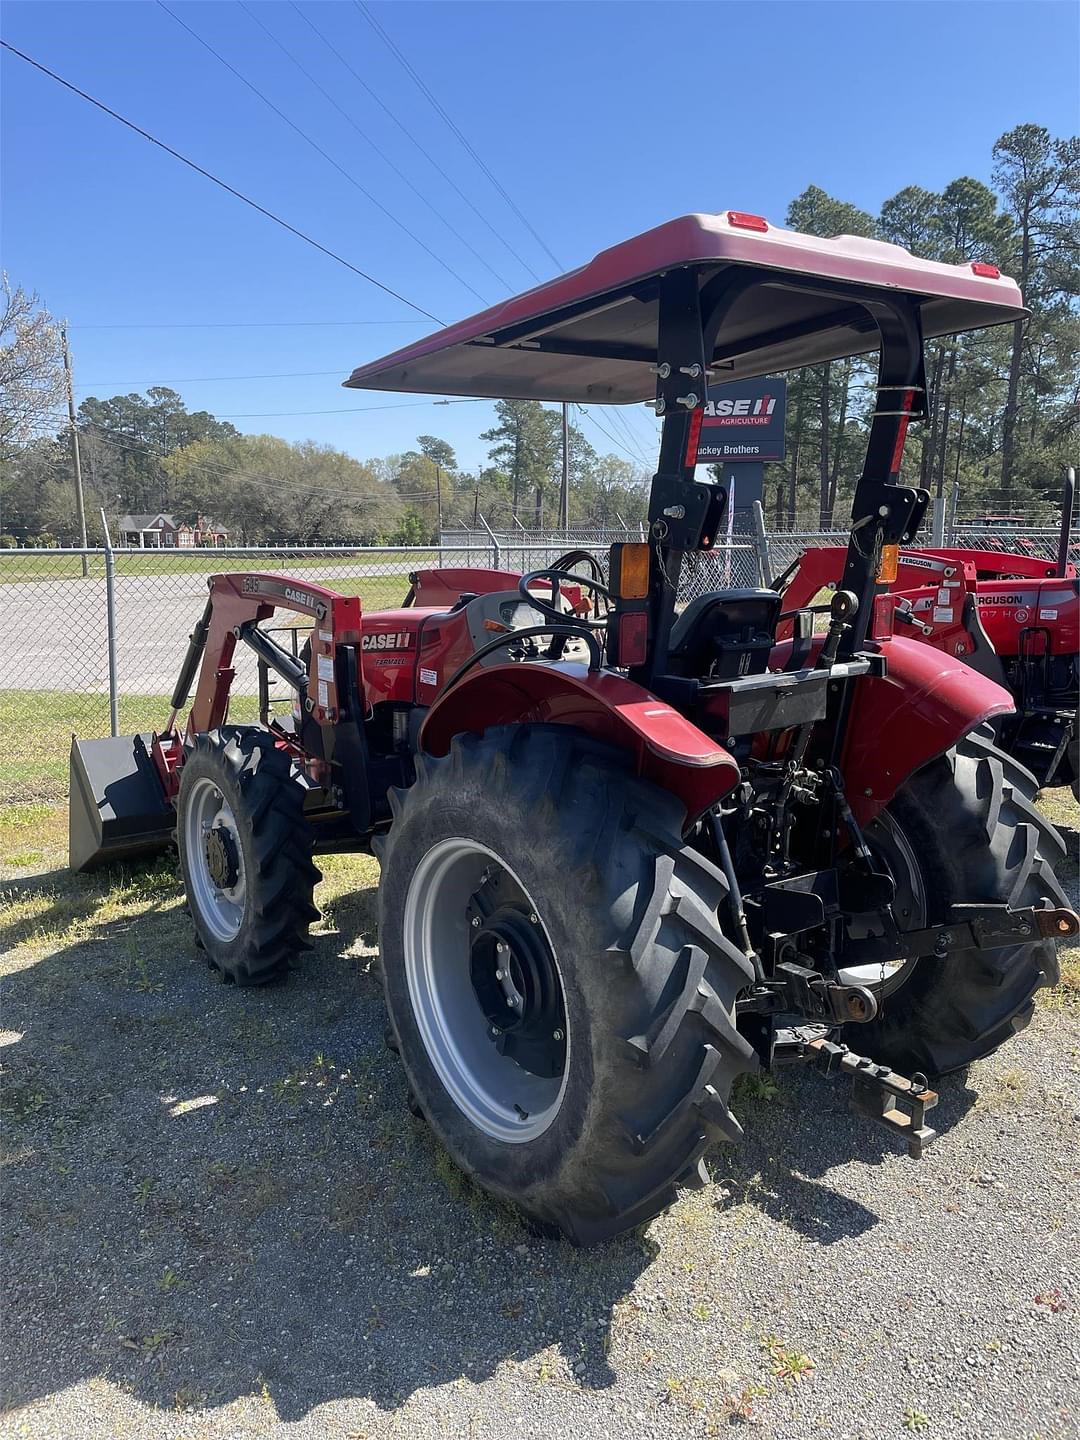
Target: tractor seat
[725,634]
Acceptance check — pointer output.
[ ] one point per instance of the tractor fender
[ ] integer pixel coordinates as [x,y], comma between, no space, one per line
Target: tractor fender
[897,724]
[663,746]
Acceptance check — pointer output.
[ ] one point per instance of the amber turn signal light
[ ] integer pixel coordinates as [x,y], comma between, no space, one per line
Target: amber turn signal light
[630,571]
[890,561]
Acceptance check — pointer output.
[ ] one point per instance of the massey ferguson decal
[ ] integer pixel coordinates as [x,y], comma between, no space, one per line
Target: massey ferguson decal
[927,562]
[1044,595]
[743,421]
[389,640]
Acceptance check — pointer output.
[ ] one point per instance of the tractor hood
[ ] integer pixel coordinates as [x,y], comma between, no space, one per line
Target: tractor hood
[590,335]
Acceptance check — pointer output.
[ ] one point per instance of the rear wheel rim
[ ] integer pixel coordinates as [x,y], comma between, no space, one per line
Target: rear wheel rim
[217,888]
[463,904]
[893,852]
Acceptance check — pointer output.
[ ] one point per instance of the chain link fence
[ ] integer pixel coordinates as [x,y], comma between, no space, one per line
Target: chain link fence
[93,640]
[1039,542]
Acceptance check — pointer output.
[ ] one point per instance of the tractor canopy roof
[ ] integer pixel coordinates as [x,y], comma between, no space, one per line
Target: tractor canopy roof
[590,335]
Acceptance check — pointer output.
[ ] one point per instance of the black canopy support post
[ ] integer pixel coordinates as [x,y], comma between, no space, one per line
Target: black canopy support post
[882,511]
[678,507]
[1068,497]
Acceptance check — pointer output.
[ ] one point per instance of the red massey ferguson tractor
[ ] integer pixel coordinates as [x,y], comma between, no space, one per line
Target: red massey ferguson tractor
[1014,618]
[629,852]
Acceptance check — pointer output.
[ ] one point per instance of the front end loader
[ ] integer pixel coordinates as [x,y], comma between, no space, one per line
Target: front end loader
[632,850]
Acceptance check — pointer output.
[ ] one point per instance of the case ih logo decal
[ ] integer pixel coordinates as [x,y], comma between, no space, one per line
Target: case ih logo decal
[389,640]
[741,412]
[253,585]
[743,421]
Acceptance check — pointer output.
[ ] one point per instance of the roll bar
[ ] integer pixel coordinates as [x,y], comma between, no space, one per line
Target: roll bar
[684,514]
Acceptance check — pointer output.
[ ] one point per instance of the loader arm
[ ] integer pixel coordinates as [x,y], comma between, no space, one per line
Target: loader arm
[240,600]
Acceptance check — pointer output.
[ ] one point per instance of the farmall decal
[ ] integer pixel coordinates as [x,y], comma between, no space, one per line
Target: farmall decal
[743,421]
[389,640]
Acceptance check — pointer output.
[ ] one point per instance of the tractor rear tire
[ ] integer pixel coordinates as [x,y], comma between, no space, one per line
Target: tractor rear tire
[970,818]
[540,835]
[245,854]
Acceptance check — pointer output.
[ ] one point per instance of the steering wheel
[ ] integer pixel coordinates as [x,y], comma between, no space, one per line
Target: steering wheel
[583,557]
[580,624]
[556,576]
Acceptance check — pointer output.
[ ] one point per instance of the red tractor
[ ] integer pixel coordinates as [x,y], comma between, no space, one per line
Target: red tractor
[629,852]
[1013,618]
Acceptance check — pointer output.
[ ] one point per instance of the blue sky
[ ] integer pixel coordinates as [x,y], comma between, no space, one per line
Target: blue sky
[598,119]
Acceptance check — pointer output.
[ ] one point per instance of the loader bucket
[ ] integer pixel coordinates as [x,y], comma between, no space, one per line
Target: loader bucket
[117,806]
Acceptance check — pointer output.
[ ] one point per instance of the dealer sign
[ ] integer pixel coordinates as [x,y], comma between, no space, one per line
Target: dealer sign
[743,421]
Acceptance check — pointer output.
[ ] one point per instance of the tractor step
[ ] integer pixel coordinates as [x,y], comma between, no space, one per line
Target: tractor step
[117,807]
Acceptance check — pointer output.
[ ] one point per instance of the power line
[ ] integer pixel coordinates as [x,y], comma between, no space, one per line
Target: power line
[607,432]
[439,110]
[207,175]
[348,410]
[347,174]
[619,421]
[368,140]
[207,379]
[231,324]
[412,138]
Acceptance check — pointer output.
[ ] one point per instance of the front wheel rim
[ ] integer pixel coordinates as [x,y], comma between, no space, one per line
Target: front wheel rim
[484,985]
[217,880]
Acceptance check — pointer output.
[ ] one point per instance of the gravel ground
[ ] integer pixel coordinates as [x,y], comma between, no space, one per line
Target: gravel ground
[221,1221]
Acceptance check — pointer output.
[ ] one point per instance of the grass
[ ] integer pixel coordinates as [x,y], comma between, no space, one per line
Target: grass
[17,568]
[55,909]
[36,727]
[377,592]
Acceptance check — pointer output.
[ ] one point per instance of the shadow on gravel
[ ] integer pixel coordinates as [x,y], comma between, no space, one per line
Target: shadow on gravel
[796,1138]
[213,1193]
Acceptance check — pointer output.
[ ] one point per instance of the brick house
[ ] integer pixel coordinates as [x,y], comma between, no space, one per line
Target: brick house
[161,531]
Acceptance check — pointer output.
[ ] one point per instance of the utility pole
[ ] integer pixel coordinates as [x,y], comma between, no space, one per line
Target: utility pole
[564,492]
[438,507]
[476,507]
[76,458]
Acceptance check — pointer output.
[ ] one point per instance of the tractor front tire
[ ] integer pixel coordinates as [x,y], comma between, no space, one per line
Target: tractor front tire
[969,818]
[559,988]
[245,854]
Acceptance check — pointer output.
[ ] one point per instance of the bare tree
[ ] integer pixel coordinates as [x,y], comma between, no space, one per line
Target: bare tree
[31,370]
